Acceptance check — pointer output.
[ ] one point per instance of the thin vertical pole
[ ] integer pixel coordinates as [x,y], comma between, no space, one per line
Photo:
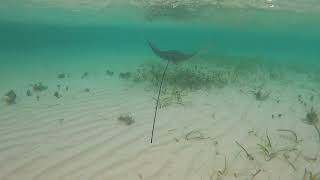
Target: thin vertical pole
[156,109]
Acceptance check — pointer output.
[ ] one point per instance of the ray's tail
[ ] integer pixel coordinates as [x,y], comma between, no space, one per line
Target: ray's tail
[157,103]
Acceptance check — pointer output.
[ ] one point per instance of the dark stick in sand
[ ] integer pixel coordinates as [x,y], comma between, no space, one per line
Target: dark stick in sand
[157,105]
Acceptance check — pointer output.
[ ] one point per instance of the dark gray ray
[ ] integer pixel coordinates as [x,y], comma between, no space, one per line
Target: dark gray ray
[173,56]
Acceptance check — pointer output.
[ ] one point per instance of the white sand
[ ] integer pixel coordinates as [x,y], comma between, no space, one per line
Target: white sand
[79,137]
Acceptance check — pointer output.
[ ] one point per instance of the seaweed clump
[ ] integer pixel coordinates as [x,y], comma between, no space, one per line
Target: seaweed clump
[10,97]
[128,120]
[313,119]
[29,93]
[261,95]
[109,73]
[39,87]
[57,95]
[62,76]
[170,97]
[84,75]
[125,75]
[270,151]
[181,78]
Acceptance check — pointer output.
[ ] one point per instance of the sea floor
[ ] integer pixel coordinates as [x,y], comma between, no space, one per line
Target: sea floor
[199,136]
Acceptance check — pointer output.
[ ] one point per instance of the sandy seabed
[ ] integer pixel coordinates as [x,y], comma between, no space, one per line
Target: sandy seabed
[79,136]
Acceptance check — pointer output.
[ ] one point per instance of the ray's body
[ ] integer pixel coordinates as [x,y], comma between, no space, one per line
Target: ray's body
[173,56]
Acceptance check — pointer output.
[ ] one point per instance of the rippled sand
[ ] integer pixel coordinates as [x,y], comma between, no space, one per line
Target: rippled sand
[78,135]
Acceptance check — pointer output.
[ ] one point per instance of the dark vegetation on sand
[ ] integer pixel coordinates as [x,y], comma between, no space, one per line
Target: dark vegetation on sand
[313,119]
[38,87]
[126,119]
[180,77]
[10,97]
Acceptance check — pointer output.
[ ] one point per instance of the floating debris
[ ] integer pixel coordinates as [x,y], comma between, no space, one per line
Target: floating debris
[86,90]
[125,75]
[10,97]
[29,93]
[109,73]
[38,98]
[128,120]
[39,87]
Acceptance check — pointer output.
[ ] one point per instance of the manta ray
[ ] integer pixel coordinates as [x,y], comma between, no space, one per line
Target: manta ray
[173,56]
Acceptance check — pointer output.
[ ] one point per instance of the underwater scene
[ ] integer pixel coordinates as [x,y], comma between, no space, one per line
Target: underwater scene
[159,90]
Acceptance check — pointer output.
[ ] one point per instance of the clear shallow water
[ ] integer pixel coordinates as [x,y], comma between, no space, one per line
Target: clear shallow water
[279,36]
[38,45]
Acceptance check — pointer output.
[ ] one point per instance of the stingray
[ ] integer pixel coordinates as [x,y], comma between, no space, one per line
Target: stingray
[173,56]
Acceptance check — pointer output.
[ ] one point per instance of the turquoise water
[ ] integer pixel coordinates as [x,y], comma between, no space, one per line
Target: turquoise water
[239,52]
[278,36]
[41,39]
